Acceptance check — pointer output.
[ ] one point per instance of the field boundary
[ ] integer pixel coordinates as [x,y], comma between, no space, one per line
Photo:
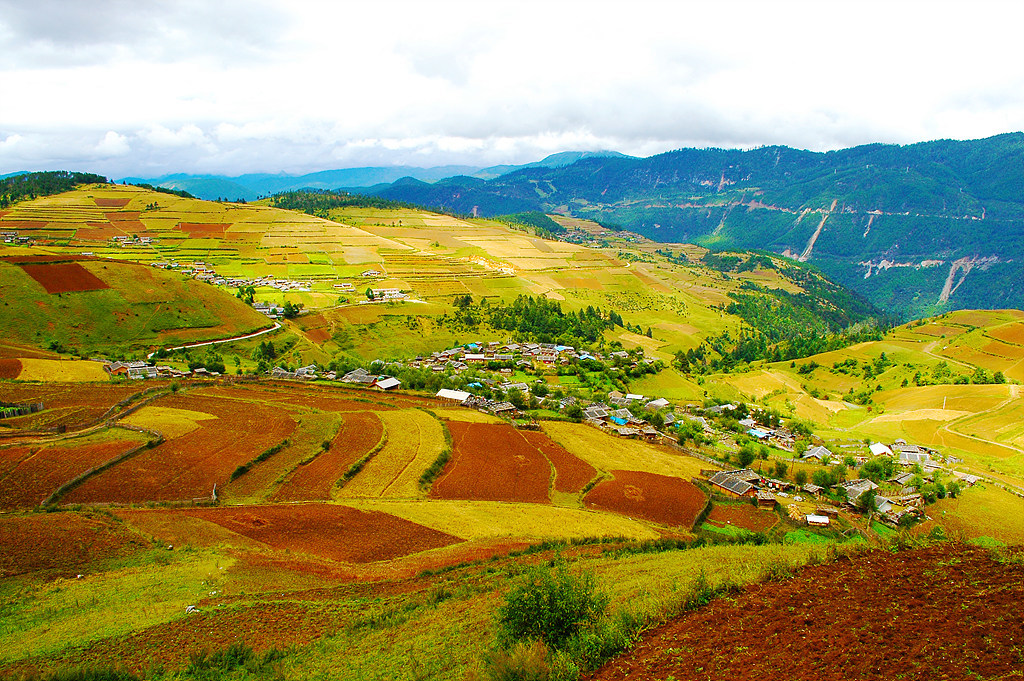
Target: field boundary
[85,475]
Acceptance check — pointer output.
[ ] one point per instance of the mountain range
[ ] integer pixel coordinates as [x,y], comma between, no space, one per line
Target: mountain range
[252,186]
[917,229]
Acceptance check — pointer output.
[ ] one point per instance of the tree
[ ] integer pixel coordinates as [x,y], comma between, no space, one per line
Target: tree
[780,469]
[550,604]
[369,293]
[746,456]
[866,502]
[800,478]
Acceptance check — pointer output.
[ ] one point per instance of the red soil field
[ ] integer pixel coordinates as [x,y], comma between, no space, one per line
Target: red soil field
[123,216]
[64,277]
[23,224]
[305,396]
[359,433]
[66,542]
[493,462]
[194,228]
[112,203]
[189,466]
[10,368]
[66,405]
[25,259]
[35,476]
[97,231]
[329,531]
[571,472]
[946,612]
[743,516]
[1012,333]
[318,335]
[658,498]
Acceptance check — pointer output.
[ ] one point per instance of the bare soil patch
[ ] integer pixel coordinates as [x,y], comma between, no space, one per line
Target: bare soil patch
[64,542]
[64,277]
[203,228]
[10,368]
[189,466]
[41,470]
[329,531]
[112,203]
[658,498]
[67,405]
[493,462]
[743,516]
[360,432]
[945,612]
[571,472]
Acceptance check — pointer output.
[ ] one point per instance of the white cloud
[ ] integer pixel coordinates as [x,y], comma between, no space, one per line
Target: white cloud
[113,144]
[298,86]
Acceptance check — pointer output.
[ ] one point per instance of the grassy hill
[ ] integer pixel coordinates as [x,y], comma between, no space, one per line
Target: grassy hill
[434,258]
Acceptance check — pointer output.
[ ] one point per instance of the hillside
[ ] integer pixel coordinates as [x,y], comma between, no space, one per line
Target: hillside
[917,229]
[667,302]
[252,186]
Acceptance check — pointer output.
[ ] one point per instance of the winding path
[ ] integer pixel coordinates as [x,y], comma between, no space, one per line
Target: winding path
[275,327]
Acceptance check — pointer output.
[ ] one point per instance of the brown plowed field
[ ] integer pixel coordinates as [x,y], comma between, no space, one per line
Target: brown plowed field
[64,277]
[61,541]
[10,368]
[329,531]
[38,471]
[112,203]
[123,216]
[66,405]
[1011,333]
[743,516]
[658,498]
[360,432]
[23,224]
[493,462]
[571,472]
[199,228]
[189,466]
[318,336]
[946,612]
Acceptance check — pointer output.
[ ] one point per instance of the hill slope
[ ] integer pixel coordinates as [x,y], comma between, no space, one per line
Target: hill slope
[917,229]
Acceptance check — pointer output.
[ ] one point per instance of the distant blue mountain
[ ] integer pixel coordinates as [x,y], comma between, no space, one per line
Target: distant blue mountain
[252,186]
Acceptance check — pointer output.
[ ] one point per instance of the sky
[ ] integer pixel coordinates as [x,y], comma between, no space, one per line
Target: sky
[128,88]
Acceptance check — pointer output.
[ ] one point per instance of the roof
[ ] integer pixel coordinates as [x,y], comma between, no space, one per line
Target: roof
[730,483]
[878,449]
[457,395]
[817,520]
[388,383]
[817,452]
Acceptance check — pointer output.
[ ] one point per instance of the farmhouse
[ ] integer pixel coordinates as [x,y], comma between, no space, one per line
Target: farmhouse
[386,383]
[452,396]
[732,486]
[820,453]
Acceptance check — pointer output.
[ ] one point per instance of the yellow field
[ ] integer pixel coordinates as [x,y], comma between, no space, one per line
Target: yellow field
[466,416]
[414,440]
[494,520]
[608,452]
[982,511]
[62,371]
[170,421]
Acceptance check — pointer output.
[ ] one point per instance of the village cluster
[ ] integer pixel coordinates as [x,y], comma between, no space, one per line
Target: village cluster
[492,389]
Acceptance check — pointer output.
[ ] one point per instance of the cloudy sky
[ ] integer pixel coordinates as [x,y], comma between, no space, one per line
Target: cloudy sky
[123,87]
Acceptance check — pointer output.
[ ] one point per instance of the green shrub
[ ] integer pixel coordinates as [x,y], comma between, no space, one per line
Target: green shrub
[550,604]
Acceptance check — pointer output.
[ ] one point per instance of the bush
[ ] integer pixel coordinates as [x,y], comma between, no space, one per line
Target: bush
[550,604]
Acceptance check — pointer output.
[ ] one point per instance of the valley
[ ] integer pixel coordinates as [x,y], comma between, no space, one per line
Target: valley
[362,428]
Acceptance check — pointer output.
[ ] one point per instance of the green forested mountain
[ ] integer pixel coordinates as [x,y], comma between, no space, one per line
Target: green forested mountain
[917,229]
